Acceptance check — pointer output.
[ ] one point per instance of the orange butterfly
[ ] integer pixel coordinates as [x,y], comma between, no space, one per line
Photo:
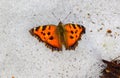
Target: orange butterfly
[54,36]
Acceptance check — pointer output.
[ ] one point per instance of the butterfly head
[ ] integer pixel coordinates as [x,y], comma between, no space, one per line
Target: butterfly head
[60,23]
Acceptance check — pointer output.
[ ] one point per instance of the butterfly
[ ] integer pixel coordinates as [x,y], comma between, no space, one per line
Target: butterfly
[112,69]
[56,36]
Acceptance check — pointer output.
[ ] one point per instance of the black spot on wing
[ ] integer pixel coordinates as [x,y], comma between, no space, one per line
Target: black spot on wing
[71,37]
[44,34]
[74,26]
[72,32]
[44,27]
[48,33]
[51,38]
[83,29]
[37,28]
[76,31]
[81,26]
[41,32]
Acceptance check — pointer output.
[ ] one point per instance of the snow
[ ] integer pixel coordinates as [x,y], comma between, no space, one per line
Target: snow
[23,56]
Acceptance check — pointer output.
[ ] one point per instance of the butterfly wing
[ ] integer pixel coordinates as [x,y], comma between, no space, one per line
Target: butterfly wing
[73,33]
[48,35]
[111,70]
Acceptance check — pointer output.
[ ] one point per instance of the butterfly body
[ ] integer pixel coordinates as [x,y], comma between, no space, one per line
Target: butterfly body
[56,36]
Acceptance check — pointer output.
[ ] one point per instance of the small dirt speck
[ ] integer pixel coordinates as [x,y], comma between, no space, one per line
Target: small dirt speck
[90,30]
[118,27]
[100,29]
[93,22]
[109,31]
[88,15]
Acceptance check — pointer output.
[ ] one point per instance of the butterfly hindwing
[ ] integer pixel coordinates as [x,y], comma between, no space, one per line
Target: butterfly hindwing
[72,34]
[48,34]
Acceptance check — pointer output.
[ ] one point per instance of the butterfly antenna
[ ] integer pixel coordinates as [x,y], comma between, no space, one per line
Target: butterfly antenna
[56,16]
[67,16]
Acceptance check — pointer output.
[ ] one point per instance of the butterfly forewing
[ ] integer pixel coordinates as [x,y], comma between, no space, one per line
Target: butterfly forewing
[72,34]
[48,34]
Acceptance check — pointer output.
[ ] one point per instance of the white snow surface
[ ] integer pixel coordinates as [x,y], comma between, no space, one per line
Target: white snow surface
[23,56]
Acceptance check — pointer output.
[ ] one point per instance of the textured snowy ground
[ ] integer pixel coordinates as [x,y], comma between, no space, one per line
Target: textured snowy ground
[22,56]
